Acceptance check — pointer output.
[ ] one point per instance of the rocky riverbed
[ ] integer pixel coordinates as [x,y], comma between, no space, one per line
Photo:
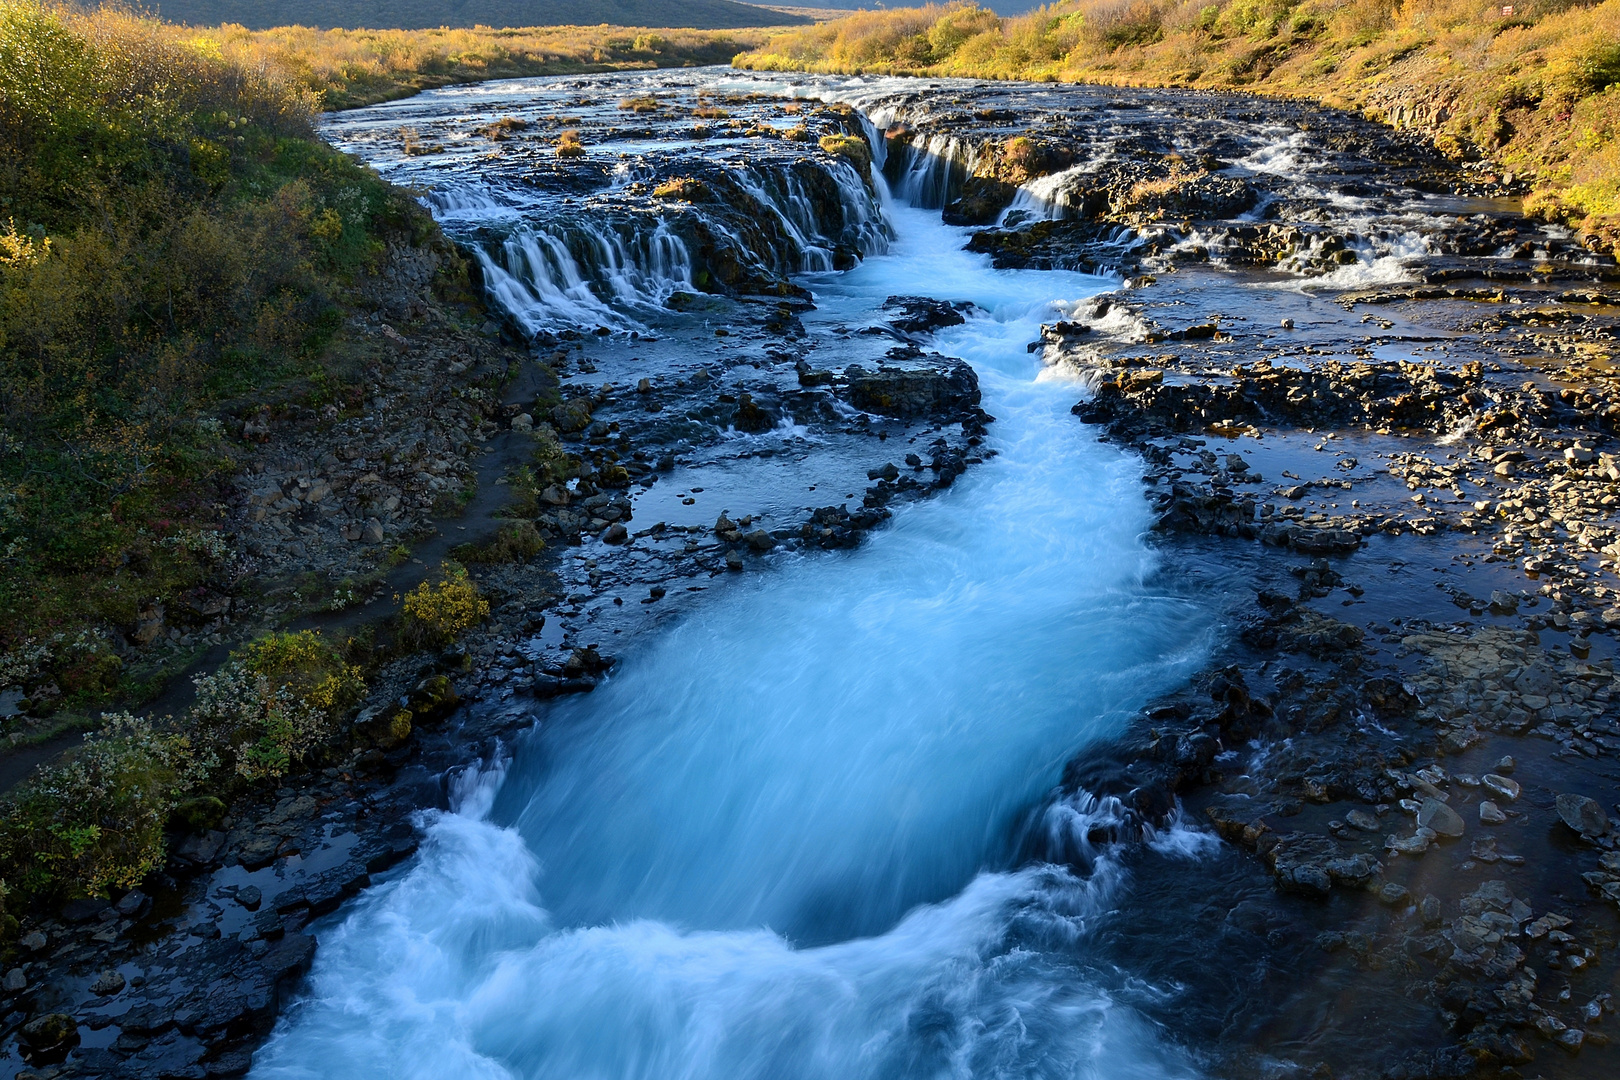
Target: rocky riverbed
[1377,421]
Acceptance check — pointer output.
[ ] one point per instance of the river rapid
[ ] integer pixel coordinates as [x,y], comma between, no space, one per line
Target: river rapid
[814,828]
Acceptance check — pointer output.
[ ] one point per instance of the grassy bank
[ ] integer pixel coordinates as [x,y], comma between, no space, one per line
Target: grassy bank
[349,68]
[180,255]
[1532,87]
[177,249]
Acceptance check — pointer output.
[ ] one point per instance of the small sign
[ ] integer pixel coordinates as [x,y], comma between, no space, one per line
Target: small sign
[1507,11]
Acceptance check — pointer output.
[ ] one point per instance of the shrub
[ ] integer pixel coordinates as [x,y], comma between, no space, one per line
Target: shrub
[852,149]
[515,542]
[277,700]
[568,145]
[685,188]
[436,613]
[95,822]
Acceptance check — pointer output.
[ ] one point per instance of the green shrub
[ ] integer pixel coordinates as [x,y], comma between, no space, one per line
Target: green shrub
[278,699]
[95,821]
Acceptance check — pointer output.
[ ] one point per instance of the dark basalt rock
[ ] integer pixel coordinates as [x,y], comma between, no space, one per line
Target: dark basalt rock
[922,314]
[949,389]
[982,200]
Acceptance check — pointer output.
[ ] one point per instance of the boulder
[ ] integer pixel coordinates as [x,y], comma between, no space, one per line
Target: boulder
[922,314]
[1583,815]
[948,388]
[47,1039]
[1445,821]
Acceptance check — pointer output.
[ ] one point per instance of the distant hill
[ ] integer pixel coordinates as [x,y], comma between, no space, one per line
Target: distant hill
[427,14]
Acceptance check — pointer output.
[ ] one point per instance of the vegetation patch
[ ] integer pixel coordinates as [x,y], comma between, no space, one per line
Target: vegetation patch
[436,613]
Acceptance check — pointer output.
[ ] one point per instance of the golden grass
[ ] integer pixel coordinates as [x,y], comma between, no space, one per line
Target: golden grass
[349,68]
[1537,91]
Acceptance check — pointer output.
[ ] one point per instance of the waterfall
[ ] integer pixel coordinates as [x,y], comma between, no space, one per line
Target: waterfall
[931,175]
[606,266]
[1045,198]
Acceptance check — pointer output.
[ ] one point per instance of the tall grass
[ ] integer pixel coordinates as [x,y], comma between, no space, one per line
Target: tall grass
[347,68]
[1534,90]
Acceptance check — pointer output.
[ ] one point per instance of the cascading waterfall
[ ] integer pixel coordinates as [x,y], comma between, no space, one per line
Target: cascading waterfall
[931,174]
[577,274]
[788,839]
[578,269]
[1045,198]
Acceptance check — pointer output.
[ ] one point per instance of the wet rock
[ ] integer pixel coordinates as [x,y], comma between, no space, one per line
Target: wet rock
[1582,814]
[1490,813]
[759,540]
[948,389]
[15,982]
[751,416]
[982,201]
[82,911]
[1312,864]
[1501,785]
[109,982]
[734,560]
[1445,821]
[46,1040]
[290,957]
[921,314]
[888,472]
[1362,819]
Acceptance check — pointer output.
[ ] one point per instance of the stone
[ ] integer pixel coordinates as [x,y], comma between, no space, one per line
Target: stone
[1582,814]
[15,981]
[920,314]
[1393,892]
[79,911]
[1506,766]
[108,983]
[1429,910]
[1503,603]
[250,897]
[615,533]
[1436,815]
[34,941]
[734,560]
[1491,814]
[1508,789]
[951,388]
[133,904]
[523,422]
[759,540]
[1364,820]
[372,532]
[889,472]
[290,957]
[46,1040]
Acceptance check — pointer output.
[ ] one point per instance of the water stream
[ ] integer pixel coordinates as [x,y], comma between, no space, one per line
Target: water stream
[790,837]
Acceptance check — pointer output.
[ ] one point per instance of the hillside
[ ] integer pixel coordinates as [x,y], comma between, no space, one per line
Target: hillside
[1531,87]
[428,14]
